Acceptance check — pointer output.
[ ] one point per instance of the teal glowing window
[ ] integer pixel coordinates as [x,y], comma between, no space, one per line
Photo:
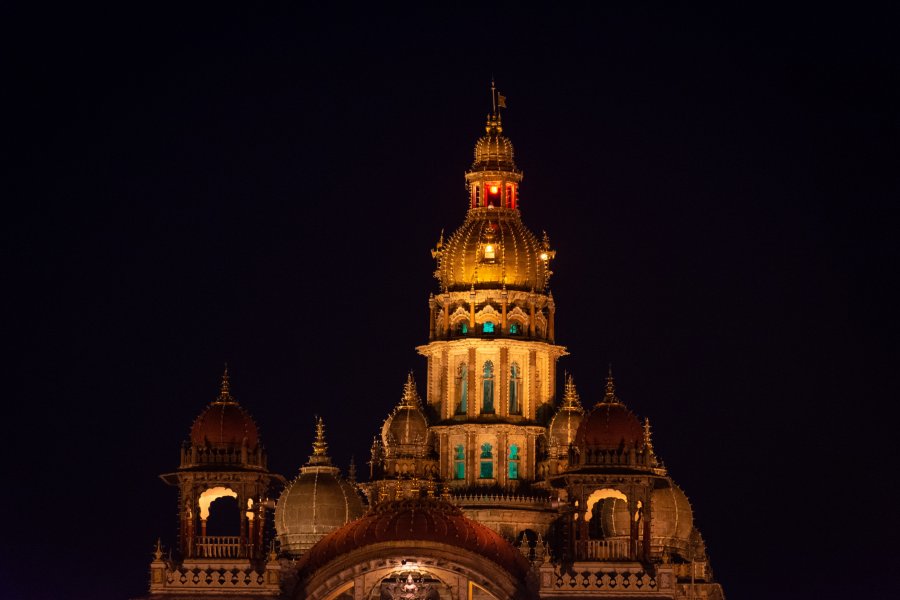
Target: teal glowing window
[460,452]
[513,461]
[488,327]
[460,470]
[464,328]
[487,462]
[514,328]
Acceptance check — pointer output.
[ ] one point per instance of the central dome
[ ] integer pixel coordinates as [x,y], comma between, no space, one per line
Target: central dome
[491,249]
[419,520]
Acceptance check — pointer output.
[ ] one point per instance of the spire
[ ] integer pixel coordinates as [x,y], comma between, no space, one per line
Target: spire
[571,400]
[610,396]
[410,395]
[225,396]
[648,443]
[320,446]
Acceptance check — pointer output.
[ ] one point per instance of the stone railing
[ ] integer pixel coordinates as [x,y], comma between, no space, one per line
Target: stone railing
[198,456]
[504,499]
[221,546]
[608,550]
[622,581]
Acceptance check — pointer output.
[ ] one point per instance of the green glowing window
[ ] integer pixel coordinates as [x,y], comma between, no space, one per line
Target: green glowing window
[488,327]
[460,465]
[513,461]
[513,328]
[487,462]
[464,328]
[460,452]
[460,470]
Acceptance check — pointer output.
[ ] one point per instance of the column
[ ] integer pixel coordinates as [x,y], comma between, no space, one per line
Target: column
[503,388]
[533,391]
[504,299]
[473,395]
[472,311]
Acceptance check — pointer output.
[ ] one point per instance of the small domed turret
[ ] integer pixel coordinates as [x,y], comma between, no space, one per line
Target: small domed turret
[316,503]
[405,432]
[564,424]
[609,427]
[224,424]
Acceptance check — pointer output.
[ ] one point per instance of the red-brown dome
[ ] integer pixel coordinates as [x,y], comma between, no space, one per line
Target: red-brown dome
[610,426]
[224,424]
[417,520]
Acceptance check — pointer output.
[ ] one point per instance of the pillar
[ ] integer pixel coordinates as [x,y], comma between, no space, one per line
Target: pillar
[472,311]
[503,388]
[504,299]
[431,324]
[472,395]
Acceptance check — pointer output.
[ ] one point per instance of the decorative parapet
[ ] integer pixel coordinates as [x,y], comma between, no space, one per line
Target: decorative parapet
[624,579]
[505,500]
[199,578]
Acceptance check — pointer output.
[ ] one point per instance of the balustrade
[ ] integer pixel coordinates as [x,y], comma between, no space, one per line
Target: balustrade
[617,549]
[221,546]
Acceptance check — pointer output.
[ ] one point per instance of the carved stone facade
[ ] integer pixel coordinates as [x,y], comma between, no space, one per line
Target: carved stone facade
[490,488]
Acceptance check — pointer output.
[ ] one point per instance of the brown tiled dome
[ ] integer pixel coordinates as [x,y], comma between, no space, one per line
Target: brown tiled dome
[224,423]
[417,520]
[610,426]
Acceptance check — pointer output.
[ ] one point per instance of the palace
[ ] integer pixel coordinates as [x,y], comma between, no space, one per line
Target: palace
[487,484]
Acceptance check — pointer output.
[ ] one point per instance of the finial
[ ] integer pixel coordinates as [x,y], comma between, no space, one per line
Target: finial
[320,446]
[225,396]
[410,395]
[272,554]
[648,443]
[570,397]
[610,396]
[158,551]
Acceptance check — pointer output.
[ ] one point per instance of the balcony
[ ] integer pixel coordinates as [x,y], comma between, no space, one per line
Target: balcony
[622,549]
[221,546]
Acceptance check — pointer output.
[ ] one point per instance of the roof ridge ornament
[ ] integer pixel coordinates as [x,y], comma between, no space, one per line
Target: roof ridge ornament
[571,399]
[610,396]
[225,396]
[320,446]
[410,398]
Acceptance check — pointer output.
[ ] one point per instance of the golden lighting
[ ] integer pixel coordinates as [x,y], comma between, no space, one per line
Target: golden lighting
[489,248]
[494,189]
[544,256]
[210,496]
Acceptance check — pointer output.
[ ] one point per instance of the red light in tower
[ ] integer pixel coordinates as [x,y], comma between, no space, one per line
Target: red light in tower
[494,189]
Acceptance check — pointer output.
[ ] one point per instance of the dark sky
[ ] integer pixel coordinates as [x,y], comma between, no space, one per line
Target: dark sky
[261,185]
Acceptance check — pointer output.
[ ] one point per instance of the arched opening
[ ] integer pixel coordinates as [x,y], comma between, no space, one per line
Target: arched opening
[224,517]
[487,395]
[462,389]
[515,386]
[412,584]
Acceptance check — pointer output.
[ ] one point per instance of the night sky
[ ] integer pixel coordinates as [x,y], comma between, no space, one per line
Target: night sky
[262,185]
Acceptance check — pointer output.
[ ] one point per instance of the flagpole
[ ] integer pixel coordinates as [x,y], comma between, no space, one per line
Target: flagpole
[493,97]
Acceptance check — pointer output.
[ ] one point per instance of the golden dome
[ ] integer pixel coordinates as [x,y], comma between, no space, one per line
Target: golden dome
[316,503]
[494,152]
[491,249]
[406,429]
[673,519]
[565,422]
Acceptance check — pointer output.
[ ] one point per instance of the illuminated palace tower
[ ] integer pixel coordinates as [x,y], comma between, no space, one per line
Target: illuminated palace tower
[489,487]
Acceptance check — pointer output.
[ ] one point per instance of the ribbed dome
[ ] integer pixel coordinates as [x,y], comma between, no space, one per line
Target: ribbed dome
[672,518]
[564,424]
[316,502]
[418,520]
[406,425]
[610,427]
[493,152]
[224,423]
[465,259]
[313,505]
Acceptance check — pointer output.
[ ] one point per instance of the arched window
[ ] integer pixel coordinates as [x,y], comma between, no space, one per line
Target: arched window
[488,327]
[462,389]
[460,462]
[515,389]
[464,328]
[514,329]
[513,461]
[487,462]
[487,392]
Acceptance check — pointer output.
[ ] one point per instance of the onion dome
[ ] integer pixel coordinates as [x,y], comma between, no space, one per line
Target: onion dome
[405,431]
[224,424]
[564,424]
[317,502]
[672,519]
[492,249]
[494,151]
[427,520]
[610,425]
